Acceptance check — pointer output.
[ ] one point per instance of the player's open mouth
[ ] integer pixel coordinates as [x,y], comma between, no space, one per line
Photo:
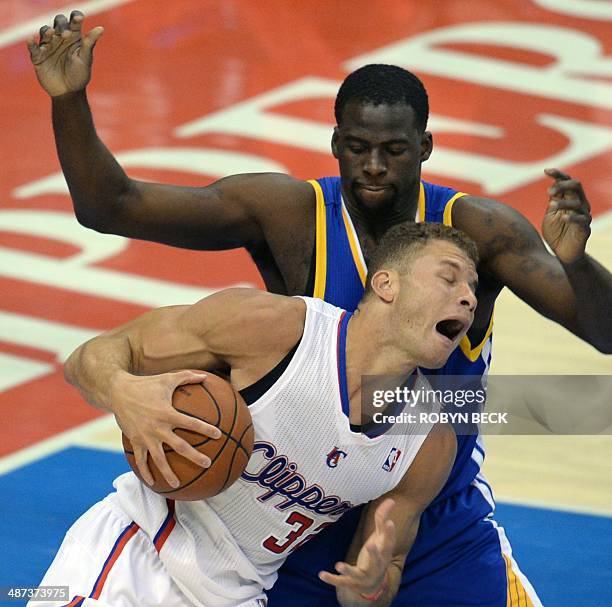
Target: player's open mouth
[450,328]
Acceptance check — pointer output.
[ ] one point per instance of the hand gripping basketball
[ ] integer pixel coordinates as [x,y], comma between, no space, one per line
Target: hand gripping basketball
[144,412]
[217,402]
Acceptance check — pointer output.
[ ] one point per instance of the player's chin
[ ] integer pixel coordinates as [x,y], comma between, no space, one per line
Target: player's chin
[433,363]
[374,201]
[435,357]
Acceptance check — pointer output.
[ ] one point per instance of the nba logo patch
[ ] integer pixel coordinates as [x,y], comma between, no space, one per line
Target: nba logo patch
[334,456]
[392,459]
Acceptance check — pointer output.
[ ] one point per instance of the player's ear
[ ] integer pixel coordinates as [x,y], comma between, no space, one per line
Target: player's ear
[383,284]
[334,142]
[426,145]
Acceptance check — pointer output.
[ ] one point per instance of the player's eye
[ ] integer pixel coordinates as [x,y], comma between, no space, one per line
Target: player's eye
[396,151]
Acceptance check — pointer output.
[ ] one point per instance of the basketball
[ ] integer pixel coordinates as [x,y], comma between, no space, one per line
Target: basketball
[216,402]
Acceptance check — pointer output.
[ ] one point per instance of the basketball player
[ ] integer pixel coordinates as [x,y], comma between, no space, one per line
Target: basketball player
[299,361]
[315,238]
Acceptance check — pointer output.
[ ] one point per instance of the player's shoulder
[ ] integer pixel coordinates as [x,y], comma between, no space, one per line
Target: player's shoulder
[322,308]
[257,317]
[266,188]
[254,302]
[279,204]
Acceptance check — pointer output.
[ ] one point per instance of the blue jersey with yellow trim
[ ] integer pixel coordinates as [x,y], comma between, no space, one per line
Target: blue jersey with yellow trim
[340,274]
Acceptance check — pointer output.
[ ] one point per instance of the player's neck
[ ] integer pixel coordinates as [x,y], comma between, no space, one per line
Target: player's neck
[372,349]
[375,224]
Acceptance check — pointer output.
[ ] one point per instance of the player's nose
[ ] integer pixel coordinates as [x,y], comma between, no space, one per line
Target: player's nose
[467,297]
[375,163]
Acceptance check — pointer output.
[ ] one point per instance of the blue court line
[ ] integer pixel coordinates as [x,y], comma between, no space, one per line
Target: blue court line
[567,556]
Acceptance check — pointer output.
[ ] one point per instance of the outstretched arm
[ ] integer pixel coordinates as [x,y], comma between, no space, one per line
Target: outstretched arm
[375,560]
[233,212]
[568,286]
[133,370]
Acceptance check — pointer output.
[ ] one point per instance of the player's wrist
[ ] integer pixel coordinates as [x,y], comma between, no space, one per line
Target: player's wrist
[577,262]
[67,96]
[372,597]
[117,382]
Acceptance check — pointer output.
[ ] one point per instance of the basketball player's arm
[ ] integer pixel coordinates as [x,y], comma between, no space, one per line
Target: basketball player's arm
[237,211]
[568,286]
[375,560]
[132,371]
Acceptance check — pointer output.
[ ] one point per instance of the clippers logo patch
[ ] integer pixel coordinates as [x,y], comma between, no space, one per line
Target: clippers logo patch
[334,456]
[392,459]
[279,477]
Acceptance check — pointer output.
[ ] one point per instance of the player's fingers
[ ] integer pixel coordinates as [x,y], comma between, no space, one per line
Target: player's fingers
[76,19]
[382,544]
[89,41]
[46,34]
[357,575]
[159,457]
[49,40]
[372,547]
[375,550]
[567,204]
[338,581]
[140,456]
[570,189]
[188,422]
[182,447]
[329,578]
[33,47]
[565,186]
[556,174]
[183,378]
[60,24]
[577,218]
[380,553]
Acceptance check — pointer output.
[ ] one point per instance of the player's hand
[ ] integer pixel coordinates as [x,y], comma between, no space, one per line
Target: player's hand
[368,574]
[62,58]
[566,226]
[142,405]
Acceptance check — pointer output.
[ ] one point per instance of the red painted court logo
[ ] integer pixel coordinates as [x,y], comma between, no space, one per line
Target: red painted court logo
[392,459]
[334,457]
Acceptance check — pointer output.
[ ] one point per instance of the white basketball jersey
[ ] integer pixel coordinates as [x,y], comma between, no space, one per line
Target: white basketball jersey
[307,469]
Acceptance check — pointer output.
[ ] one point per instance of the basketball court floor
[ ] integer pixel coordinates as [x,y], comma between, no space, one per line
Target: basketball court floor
[192,90]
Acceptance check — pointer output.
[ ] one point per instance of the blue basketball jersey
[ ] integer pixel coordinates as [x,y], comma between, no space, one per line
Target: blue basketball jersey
[340,275]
